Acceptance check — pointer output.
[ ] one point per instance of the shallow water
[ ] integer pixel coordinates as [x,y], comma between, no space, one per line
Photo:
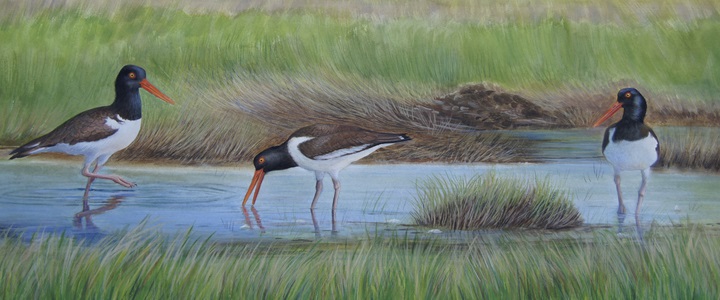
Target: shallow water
[40,195]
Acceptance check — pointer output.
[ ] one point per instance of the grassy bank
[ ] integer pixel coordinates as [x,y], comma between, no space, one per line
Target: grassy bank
[240,76]
[680,262]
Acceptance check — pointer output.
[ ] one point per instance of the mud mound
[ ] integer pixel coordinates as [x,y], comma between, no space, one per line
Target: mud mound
[483,108]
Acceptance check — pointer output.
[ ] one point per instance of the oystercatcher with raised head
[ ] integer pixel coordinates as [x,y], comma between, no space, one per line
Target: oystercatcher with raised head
[100,132]
[323,149]
[630,145]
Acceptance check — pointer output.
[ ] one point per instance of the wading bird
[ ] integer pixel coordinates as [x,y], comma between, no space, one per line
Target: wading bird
[99,132]
[630,145]
[322,148]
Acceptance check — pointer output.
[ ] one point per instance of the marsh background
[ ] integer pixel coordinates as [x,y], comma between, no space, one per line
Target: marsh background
[246,74]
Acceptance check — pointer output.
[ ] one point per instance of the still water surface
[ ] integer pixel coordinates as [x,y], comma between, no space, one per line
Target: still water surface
[40,195]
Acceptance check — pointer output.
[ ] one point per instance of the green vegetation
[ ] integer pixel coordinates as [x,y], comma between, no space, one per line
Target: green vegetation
[672,263]
[490,201]
[240,75]
[246,75]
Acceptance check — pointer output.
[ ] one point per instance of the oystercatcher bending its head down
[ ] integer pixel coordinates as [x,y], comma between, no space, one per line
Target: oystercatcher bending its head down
[629,144]
[99,132]
[322,148]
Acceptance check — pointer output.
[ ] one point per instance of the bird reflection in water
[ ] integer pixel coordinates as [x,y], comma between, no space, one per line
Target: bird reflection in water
[316,225]
[258,220]
[87,213]
[638,227]
[256,215]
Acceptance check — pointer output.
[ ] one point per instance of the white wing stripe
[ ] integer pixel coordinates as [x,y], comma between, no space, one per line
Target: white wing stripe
[342,152]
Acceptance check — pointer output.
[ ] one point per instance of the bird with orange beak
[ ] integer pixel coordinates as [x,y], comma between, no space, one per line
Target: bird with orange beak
[98,133]
[629,145]
[323,149]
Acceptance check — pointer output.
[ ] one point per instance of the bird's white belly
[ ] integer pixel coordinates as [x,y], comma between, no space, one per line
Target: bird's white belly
[632,155]
[126,133]
[329,165]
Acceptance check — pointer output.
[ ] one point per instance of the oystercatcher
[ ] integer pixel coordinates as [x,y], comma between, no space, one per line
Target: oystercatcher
[99,132]
[322,148]
[629,144]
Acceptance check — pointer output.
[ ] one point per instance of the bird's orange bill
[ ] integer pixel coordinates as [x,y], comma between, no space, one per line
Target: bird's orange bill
[609,113]
[153,90]
[256,180]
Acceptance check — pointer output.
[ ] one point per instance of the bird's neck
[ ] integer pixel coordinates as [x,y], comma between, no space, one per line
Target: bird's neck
[283,157]
[127,103]
[635,113]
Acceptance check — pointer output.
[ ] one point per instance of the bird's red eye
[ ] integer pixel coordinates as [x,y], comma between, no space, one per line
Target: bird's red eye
[132,75]
[261,160]
[628,95]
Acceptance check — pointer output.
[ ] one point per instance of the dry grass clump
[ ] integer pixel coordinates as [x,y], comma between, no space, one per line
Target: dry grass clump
[284,104]
[294,101]
[464,147]
[490,201]
[223,137]
[696,148]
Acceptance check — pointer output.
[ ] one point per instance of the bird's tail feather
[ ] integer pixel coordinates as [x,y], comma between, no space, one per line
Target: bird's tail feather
[25,150]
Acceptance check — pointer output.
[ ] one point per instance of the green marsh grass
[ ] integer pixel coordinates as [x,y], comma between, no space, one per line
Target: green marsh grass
[491,201]
[678,262]
[62,60]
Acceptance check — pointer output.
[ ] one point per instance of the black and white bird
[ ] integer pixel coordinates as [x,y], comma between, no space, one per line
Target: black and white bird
[323,149]
[630,145]
[99,132]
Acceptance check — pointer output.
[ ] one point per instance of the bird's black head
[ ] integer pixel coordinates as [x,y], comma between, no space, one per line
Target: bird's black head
[127,97]
[129,78]
[273,159]
[633,103]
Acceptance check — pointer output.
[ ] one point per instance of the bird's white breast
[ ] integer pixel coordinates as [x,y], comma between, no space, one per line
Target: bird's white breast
[127,131]
[631,155]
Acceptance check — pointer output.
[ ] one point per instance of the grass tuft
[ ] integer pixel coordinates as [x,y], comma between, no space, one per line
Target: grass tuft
[490,201]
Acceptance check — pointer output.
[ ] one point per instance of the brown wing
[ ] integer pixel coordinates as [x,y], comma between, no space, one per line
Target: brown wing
[86,126]
[342,139]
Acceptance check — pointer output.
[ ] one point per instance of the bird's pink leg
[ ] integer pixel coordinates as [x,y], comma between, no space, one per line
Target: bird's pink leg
[90,181]
[336,184]
[315,223]
[318,188]
[91,176]
[621,206]
[643,187]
